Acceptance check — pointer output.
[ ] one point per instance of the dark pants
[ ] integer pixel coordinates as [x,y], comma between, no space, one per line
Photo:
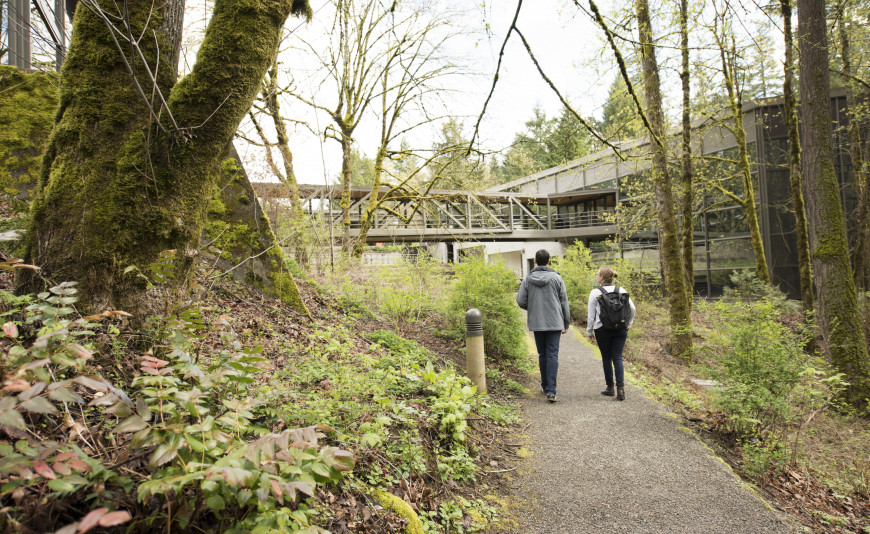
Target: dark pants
[611,343]
[547,343]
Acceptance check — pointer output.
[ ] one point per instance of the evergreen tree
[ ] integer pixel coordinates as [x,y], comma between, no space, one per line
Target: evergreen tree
[620,120]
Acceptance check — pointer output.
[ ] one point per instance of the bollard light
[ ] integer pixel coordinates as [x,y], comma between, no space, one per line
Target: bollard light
[474,362]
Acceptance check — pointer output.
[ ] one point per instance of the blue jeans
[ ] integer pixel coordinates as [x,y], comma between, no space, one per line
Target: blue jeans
[611,343]
[547,343]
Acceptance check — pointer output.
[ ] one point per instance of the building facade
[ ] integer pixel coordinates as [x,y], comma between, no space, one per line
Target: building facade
[721,228]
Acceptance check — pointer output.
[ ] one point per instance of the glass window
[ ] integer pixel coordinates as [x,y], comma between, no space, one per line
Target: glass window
[777,152]
[731,254]
[720,279]
[727,223]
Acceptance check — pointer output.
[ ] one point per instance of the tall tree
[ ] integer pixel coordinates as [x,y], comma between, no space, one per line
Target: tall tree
[838,313]
[544,144]
[410,72]
[620,120]
[362,169]
[794,160]
[858,104]
[134,156]
[669,245]
[452,167]
[361,48]
[731,78]
[686,191]
[268,105]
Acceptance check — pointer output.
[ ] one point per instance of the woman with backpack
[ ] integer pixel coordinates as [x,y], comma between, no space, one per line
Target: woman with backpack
[611,313]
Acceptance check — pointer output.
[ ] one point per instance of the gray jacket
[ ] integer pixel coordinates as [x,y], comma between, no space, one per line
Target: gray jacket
[543,294]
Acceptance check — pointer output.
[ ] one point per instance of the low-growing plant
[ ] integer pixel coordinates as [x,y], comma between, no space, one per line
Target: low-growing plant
[193,417]
[491,288]
[405,292]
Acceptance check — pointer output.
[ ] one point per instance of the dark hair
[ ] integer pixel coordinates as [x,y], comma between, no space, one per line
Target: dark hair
[542,257]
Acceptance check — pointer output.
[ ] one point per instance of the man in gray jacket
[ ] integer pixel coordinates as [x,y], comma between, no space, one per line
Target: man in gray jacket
[543,294]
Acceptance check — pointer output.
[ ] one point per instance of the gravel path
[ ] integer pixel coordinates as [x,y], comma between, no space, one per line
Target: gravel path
[604,466]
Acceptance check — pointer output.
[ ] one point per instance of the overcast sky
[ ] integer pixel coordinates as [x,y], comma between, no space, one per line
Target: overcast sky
[564,40]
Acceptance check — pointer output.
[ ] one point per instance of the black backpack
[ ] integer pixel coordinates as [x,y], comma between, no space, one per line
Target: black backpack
[614,307]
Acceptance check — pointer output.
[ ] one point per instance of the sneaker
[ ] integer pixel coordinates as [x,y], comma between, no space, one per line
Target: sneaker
[551,397]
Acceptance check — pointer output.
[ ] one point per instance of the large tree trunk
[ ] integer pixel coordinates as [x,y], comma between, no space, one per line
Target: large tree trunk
[837,300]
[681,342]
[794,162]
[686,197]
[117,188]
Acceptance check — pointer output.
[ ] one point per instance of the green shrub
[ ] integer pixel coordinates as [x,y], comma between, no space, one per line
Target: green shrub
[766,384]
[491,288]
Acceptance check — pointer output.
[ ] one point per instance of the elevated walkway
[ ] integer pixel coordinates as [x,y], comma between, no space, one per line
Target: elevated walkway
[444,215]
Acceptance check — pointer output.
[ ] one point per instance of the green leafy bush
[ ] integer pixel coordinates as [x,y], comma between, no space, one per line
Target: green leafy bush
[491,288]
[767,386]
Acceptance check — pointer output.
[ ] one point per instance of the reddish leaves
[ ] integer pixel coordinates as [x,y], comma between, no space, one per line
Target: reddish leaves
[101,517]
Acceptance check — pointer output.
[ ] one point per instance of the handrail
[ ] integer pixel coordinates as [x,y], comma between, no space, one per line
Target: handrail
[487,220]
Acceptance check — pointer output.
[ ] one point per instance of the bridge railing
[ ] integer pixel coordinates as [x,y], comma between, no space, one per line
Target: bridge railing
[488,221]
[583,219]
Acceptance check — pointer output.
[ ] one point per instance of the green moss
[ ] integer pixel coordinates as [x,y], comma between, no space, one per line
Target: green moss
[397,505]
[27,107]
[285,289]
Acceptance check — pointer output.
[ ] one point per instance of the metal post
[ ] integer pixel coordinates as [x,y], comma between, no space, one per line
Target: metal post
[18,32]
[549,215]
[474,362]
[60,46]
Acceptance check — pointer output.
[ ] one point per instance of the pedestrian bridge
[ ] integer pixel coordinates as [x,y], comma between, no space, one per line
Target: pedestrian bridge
[445,215]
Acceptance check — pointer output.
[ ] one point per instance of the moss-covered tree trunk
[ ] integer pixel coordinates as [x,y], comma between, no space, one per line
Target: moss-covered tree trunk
[837,300]
[686,193]
[346,179]
[674,278]
[118,187]
[27,106]
[242,233]
[374,204]
[735,103]
[857,104]
[794,161]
